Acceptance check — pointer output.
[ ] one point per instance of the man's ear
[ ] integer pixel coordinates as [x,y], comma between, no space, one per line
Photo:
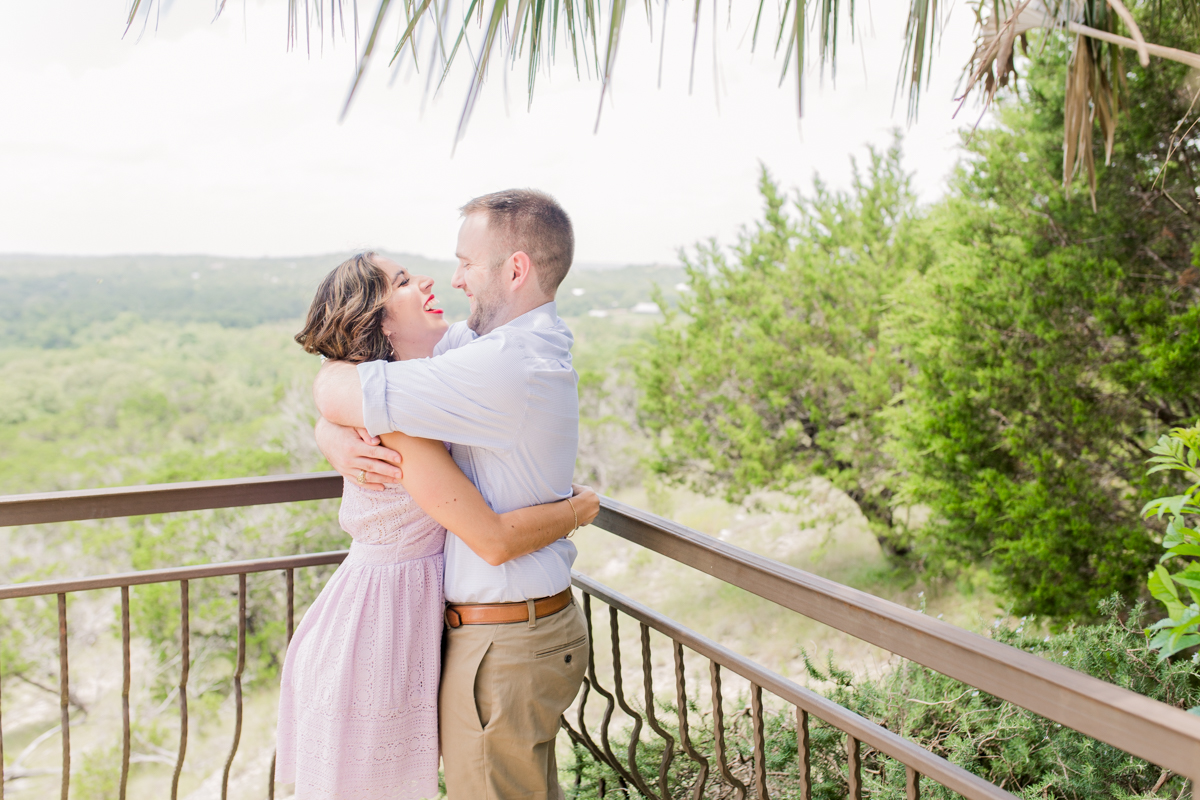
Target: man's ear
[522,270]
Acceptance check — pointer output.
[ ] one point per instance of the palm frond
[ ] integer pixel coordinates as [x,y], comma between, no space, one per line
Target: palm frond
[921,32]
[532,30]
[367,51]
[495,22]
[616,18]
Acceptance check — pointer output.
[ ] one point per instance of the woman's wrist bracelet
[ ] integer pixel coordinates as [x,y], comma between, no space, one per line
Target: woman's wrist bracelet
[576,513]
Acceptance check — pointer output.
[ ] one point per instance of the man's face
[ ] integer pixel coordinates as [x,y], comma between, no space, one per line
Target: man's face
[479,275]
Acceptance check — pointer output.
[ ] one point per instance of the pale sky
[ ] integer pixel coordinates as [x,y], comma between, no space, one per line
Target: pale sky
[208,137]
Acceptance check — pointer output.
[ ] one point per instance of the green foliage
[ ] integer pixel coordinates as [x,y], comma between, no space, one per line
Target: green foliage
[611,446]
[775,369]
[1051,344]
[1027,755]
[1181,629]
[99,776]
[1007,745]
[1003,361]
[135,402]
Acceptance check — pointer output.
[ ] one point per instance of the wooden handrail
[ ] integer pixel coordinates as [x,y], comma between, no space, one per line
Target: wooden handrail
[1143,727]
[162,498]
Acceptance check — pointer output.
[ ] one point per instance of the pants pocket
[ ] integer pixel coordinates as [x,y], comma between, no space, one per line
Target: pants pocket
[483,686]
[582,640]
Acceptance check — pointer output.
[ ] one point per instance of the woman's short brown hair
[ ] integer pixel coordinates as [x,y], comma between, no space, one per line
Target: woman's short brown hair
[345,320]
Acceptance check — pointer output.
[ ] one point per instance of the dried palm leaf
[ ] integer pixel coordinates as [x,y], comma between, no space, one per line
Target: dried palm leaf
[1094,71]
[1078,117]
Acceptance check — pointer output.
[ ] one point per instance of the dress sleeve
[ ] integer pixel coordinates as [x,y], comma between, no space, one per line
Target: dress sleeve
[474,395]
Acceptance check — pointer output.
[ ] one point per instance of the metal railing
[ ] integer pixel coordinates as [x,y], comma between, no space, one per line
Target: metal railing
[183,576]
[1145,728]
[916,760]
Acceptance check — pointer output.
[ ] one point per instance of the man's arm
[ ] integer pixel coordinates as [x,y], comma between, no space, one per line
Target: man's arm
[444,492]
[475,395]
[338,394]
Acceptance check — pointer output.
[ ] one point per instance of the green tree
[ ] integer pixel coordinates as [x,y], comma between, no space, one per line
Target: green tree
[774,368]
[1052,344]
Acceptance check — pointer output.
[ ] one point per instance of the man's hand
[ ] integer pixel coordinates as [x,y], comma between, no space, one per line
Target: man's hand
[586,503]
[338,394]
[353,452]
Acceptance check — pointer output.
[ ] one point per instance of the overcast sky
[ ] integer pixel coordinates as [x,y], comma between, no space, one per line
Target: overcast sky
[209,137]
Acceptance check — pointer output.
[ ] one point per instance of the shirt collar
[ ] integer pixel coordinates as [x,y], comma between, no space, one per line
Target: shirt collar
[544,316]
[542,323]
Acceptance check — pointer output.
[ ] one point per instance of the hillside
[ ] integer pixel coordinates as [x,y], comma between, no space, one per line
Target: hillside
[46,300]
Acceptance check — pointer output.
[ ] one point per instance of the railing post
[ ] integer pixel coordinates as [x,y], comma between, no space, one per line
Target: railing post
[64,694]
[760,743]
[237,684]
[912,784]
[684,738]
[125,676]
[739,788]
[854,767]
[648,683]
[609,703]
[635,773]
[185,640]
[585,690]
[804,754]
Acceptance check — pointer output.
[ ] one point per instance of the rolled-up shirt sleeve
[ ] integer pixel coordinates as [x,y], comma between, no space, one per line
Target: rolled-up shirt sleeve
[475,395]
[374,391]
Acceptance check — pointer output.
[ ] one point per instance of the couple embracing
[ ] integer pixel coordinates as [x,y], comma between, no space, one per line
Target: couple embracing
[451,621]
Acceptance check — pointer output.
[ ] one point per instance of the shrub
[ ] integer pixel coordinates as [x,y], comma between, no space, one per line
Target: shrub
[1024,753]
[1180,451]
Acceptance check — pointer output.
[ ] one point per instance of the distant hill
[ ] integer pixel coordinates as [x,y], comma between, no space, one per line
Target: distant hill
[46,300]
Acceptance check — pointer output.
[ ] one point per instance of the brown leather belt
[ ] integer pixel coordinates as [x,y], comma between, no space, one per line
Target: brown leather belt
[504,613]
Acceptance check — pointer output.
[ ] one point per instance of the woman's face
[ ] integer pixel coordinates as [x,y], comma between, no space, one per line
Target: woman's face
[411,322]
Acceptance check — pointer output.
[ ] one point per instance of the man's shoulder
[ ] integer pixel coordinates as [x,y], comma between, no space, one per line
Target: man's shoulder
[541,334]
[492,351]
[455,337]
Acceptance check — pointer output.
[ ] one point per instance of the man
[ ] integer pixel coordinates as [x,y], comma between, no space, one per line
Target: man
[500,389]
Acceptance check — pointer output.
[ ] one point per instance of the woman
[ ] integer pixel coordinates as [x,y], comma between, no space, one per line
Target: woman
[358,703]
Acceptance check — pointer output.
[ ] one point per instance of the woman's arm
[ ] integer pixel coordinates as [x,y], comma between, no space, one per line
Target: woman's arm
[444,493]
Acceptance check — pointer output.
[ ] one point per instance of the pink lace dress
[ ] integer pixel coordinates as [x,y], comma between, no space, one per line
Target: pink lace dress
[358,701]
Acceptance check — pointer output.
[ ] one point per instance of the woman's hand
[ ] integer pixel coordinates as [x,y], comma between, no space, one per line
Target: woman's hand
[586,503]
[355,454]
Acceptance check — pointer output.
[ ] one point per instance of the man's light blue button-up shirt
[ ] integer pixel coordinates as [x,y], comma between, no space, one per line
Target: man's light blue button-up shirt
[508,404]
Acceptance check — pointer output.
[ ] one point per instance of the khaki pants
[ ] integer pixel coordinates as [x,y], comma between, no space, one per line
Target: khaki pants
[503,691]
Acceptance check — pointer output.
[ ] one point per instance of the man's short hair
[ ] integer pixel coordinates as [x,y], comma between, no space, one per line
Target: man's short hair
[534,223]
